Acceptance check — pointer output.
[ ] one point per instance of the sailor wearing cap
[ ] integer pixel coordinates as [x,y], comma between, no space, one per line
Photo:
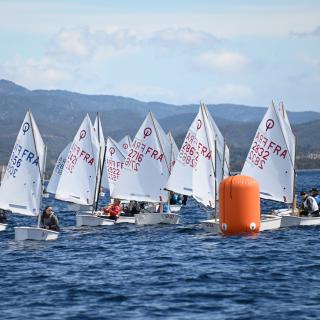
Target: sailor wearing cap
[309,205]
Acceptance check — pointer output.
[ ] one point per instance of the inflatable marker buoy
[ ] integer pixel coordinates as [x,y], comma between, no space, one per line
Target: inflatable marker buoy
[239,204]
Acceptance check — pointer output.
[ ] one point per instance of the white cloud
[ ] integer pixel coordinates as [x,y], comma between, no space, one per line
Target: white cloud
[224,61]
[183,36]
[32,73]
[81,43]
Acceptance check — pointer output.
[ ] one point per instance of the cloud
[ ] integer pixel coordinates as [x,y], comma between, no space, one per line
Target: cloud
[232,93]
[35,73]
[182,37]
[314,33]
[223,61]
[83,44]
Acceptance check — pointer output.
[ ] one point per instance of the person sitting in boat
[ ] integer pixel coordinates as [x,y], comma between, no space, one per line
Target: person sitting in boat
[174,198]
[163,208]
[315,193]
[113,211]
[3,216]
[49,220]
[132,208]
[184,200]
[309,205]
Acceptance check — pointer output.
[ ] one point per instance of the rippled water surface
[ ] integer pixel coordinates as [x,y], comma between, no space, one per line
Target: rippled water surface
[147,272]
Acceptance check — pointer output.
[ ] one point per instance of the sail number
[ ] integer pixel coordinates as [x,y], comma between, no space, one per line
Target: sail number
[18,155]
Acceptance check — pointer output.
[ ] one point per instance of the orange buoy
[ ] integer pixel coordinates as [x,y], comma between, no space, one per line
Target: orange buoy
[239,204]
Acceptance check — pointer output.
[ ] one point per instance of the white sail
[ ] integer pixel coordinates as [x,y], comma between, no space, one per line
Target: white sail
[77,183]
[114,161]
[57,171]
[125,144]
[146,168]
[193,172]
[271,156]
[222,160]
[21,188]
[97,127]
[174,151]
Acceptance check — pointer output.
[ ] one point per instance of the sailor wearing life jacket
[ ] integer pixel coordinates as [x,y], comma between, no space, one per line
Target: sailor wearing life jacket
[309,205]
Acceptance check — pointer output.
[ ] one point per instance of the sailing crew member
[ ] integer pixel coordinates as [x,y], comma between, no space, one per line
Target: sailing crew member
[49,220]
[309,205]
[114,210]
[315,193]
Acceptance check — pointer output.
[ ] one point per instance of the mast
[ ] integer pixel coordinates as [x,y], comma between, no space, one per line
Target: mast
[213,164]
[165,156]
[44,161]
[99,171]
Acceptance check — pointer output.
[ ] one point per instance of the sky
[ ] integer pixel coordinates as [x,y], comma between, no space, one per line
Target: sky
[173,51]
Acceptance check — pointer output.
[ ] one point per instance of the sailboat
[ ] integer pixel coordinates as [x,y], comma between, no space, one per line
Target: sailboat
[195,171]
[22,186]
[145,173]
[271,161]
[78,181]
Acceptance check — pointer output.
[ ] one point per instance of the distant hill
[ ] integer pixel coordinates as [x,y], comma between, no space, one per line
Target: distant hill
[59,114]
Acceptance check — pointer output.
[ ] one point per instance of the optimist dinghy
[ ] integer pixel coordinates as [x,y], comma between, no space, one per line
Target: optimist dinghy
[271,161]
[22,186]
[145,172]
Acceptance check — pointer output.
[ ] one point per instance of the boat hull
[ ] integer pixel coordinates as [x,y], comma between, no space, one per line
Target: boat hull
[149,218]
[291,221]
[268,222]
[92,221]
[3,226]
[34,233]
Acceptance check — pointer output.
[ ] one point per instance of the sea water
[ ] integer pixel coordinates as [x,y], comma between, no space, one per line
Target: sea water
[157,272]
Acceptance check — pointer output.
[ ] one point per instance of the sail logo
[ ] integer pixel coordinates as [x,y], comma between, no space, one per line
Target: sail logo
[199,124]
[112,151]
[147,132]
[83,134]
[25,127]
[269,124]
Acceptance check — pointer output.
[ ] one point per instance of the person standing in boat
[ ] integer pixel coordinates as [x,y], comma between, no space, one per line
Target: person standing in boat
[114,210]
[49,220]
[309,205]
[315,193]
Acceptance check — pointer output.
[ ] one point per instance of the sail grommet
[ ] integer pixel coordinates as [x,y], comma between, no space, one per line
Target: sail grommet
[252,226]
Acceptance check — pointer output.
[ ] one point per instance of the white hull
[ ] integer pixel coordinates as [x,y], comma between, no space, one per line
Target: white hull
[92,221]
[211,226]
[175,208]
[3,226]
[146,218]
[124,219]
[34,233]
[78,207]
[268,222]
[290,221]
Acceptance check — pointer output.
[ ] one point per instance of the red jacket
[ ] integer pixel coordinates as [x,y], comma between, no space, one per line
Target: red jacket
[113,211]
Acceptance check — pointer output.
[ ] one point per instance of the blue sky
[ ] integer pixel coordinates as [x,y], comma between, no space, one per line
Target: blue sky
[181,52]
